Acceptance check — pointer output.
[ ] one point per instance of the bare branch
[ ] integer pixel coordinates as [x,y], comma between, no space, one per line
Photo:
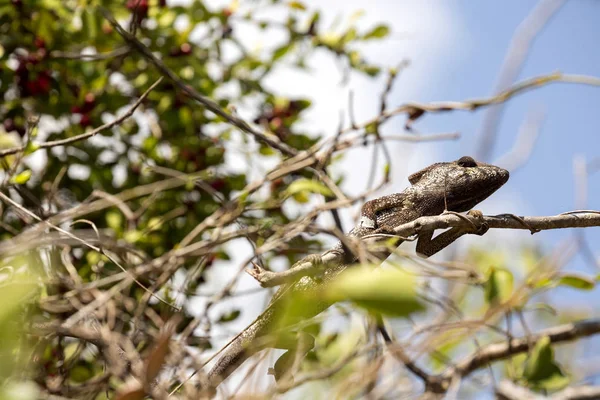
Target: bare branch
[574,219]
[499,351]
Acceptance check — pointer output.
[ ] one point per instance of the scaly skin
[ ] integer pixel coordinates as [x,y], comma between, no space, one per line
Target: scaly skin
[455,186]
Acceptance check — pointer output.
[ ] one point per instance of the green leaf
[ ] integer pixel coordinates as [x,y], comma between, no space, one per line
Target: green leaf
[379,32]
[166,19]
[386,171]
[371,128]
[576,281]
[541,371]
[543,307]
[21,178]
[229,316]
[371,70]
[307,185]
[132,236]
[388,291]
[80,373]
[266,151]
[91,24]
[297,5]
[44,26]
[282,51]
[114,220]
[499,285]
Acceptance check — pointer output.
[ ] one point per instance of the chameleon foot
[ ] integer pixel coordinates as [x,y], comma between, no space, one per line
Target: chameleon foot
[481,226]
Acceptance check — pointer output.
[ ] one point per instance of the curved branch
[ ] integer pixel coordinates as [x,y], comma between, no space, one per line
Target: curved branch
[501,350]
[572,219]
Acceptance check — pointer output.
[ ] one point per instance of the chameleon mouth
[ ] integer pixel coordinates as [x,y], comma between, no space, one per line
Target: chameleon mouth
[484,192]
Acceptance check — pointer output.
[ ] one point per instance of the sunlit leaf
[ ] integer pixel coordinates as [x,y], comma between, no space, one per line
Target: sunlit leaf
[81,373]
[91,24]
[498,286]
[576,281]
[114,219]
[229,316]
[281,51]
[541,370]
[388,291]
[21,178]
[297,5]
[379,32]
[307,185]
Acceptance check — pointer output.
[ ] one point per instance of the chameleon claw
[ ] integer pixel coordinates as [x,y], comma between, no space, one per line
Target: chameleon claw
[482,226]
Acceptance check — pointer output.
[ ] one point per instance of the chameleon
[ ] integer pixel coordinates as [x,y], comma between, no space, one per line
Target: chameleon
[455,186]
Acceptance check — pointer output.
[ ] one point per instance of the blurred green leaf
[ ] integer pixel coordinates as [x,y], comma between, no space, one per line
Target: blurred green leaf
[114,220]
[229,316]
[388,291]
[297,5]
[281,51]
[21,178]
[576,281]
[541,371]
[91,22]
[378,32]
[498,286]
[80,373]
[307,185]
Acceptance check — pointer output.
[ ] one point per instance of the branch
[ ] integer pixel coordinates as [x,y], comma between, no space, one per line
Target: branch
[578,393]
[499,351]
[311,265]
[83,136]
[508,390]
[416,110]
[570,219]
[307,266]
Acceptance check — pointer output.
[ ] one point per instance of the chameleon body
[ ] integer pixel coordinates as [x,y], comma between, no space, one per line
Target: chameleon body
[453,186]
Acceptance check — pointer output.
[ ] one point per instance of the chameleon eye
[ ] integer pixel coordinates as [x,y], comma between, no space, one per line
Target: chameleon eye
[466,161]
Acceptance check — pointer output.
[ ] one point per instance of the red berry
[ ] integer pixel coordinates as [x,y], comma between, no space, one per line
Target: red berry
[39,43]
[276,123]
[31,88]
[218,184]
[162,3]
[89,102]
[227,12]
[9,125]
[44,82]
[186,154]
[139,7]
[185,49]
[76,110]
[85,120]
[33,59]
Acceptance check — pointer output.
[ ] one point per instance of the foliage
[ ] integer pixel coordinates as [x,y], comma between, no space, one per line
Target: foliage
[64,70]
[110,232]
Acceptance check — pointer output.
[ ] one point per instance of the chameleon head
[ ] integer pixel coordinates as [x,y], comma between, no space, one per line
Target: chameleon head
[464,183]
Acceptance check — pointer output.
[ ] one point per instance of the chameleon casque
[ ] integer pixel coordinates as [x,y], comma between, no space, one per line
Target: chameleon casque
[448,186]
